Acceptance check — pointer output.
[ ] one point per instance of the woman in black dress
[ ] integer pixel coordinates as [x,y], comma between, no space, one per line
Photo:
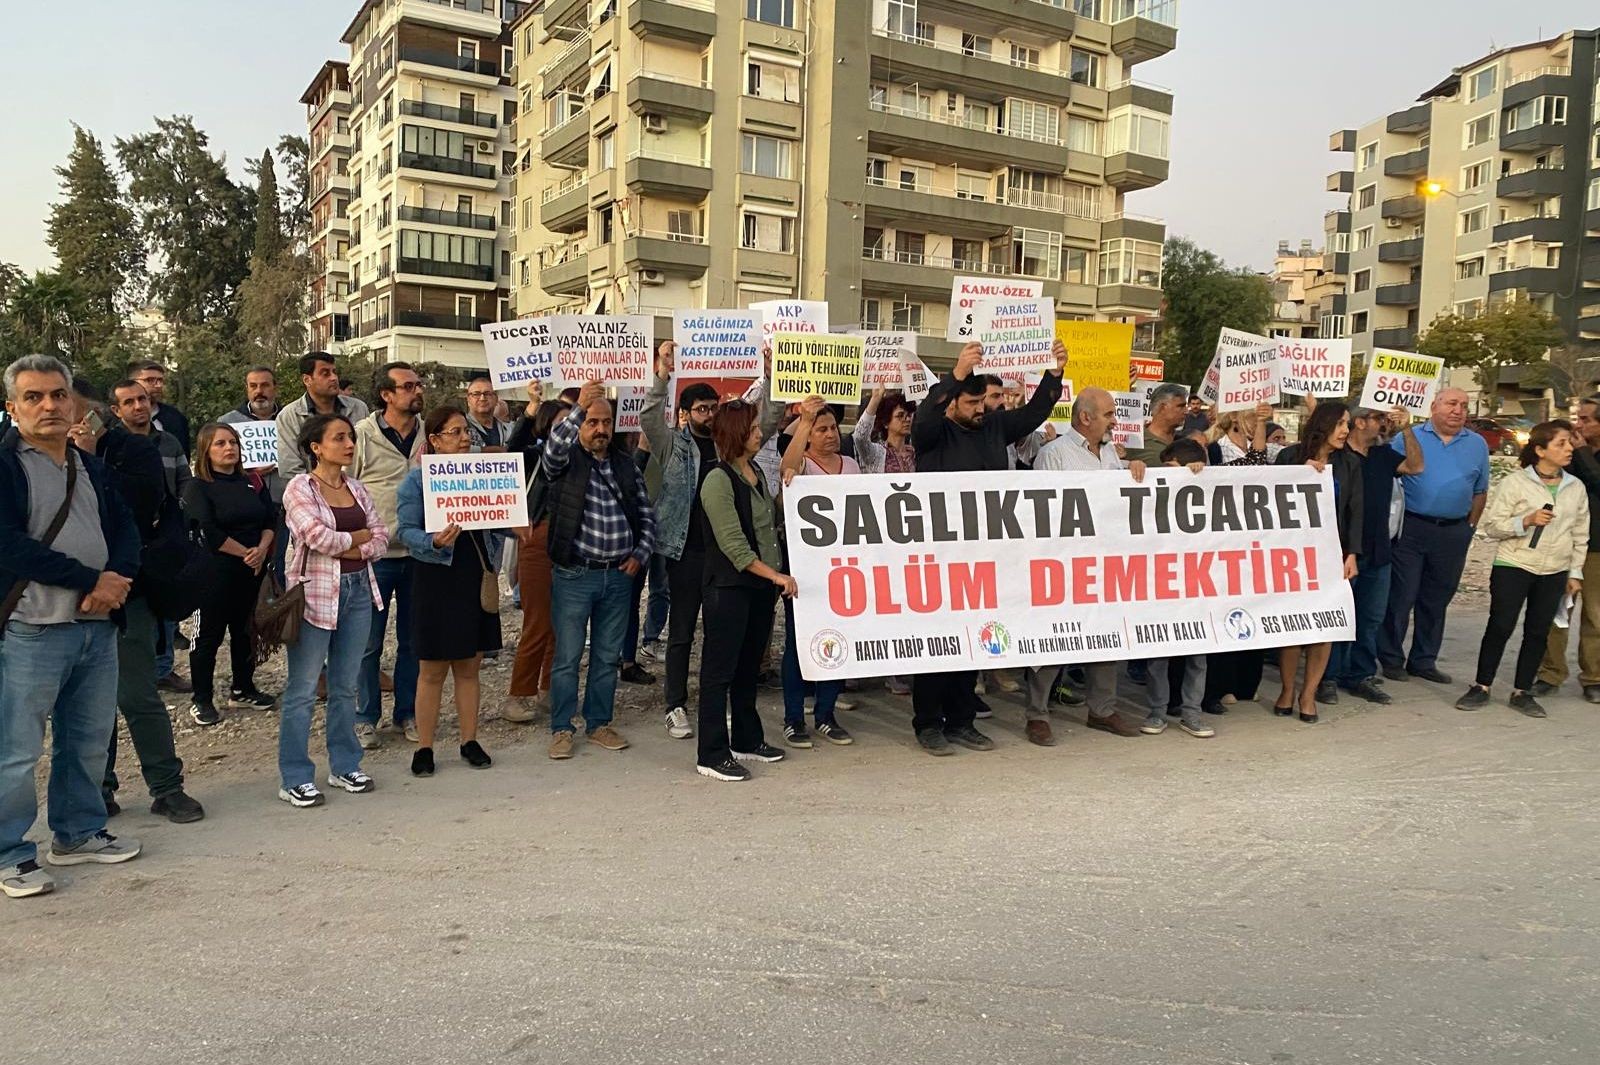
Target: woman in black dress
[452,630]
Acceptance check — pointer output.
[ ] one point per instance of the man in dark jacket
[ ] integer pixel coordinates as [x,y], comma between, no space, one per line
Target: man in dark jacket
[167,418]
[1553,670]
[602,531]
[58,660]
[953,433]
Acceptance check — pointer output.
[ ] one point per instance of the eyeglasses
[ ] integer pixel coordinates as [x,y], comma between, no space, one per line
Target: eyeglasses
[408,386]
[703,408]
[459,430]
[479,395]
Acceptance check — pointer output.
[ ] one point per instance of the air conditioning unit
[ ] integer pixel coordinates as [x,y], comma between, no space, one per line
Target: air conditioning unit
[652,277]
[486,146]
[654,123]
[1393,223]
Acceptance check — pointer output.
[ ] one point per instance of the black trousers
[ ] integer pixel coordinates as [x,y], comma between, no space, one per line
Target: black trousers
[1509,589]
[685,577]
[943,700]
[226,610]
[1237,673]
[738,628]
[1428,560]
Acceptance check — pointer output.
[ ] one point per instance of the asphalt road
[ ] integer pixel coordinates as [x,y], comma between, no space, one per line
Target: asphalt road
[1408,884]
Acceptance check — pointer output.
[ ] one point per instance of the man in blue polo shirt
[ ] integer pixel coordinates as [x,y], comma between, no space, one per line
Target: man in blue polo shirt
[1443,503]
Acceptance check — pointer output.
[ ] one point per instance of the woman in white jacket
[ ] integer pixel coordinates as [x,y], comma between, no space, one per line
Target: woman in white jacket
[1540,515]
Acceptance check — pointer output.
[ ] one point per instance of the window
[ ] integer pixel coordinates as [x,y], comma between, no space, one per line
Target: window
[508,58]
[448,248]
[977,116]
[1366,197]
[970,186]
[1469,268]
[871,314]
[910,247]
[1472,308]
[1594,193]
[877,171]
[607,143]
[1474,220]
[772,81]
[506,218]
[1077,267]
[766,156]
[1085,67]
[1023,56]
[767,232]
[1083,135]
[466,49]
[1358,322]
[977,46]
[915,178]
[1033,120]
[1361,281]
[1125,261]
[605,219]
[1036,252]
[1482,84]
[341,124]
[527,213]
[907,317]
[684,224]
[508,162]
[1089,9]
[967,254]
[1477,131]
[776,12]
[1369,156]
[1475,176]
[1364,238]
[1135,130]
[1536,112]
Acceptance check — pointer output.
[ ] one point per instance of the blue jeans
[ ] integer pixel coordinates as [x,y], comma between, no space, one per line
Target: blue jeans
[1354,662]
[655,614]
[340,649]
[796,687]
[66,674]
[394,579]
[595,601]
[166,647]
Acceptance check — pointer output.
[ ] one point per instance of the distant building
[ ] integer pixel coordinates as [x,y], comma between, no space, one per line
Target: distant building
[1306,290]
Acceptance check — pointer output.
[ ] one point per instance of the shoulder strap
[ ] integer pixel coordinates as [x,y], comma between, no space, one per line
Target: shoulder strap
[9,607]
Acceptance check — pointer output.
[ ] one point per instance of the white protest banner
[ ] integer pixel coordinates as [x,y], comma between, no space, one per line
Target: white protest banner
[823,365]
[518,351]
[884,358]
[1247,377]
[919,380]
[258,443]
[1128,429]
[933,572]
[474,491]
[1228,340]
[630,404]
[1318,368]
[718,343]
[612,349]
[792,316]
[967,291]
[1017,335]
[1402,379]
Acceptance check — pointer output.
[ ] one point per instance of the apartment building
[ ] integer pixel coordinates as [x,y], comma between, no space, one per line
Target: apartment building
[1306,285]
[429,202]
[327,103]
[1487,188]
[864,152]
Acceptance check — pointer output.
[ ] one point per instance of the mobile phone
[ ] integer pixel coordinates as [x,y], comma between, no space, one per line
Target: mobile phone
[94,423]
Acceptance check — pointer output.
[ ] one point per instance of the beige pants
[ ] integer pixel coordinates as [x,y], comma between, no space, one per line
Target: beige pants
[1586,619]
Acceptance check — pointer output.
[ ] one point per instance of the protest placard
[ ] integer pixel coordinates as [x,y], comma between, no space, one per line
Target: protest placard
[1098,353]
[1144,368]
[612,349]
[1318,368]
[1040,568]
[817,364]
[884,357]
[1061,412]
[1228,340]
[718,343]
[792,316]
[486,491]
[258,444]
[1017,335]
[518,351]
[919,380]
[1247,377]
[1402,379]
[630,402]
[726,388]
[1128,429]
[965,292]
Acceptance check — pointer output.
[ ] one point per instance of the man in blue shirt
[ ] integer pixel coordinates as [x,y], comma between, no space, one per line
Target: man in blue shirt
[1443,504]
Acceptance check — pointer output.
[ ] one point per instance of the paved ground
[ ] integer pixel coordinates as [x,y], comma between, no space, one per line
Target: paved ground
[1411,884]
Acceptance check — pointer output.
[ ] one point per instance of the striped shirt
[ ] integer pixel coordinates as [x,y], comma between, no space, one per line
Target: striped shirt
[604,535]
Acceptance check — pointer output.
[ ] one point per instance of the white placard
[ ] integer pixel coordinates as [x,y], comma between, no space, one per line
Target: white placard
[1228,340]
[258,443]
[612,349]
[1128,430]
[486,491]
[630,404]
[883,363]
[1318,368]
[1402,379]
[792,316]
[1247,377]
[718,343]
[517,352]
[919,380]
[967,291]
[1018,335]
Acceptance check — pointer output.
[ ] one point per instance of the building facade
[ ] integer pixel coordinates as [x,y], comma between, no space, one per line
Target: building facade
[1485,189]
[327,103]
[863,152]
[1306,287]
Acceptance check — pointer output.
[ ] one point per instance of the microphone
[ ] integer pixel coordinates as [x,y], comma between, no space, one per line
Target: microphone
[1538,529]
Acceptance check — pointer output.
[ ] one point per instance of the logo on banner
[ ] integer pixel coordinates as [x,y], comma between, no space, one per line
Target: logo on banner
[828,649]
[994,638]
[1239,624]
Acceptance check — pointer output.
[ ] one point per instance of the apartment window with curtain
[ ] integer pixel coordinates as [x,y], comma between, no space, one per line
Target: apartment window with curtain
[684,224]
[871,314]
[772,81]
[774,12]
[1033,120]
[1467,268]
[1535,112]
[1475,176]
[1023,56]
[1363,238]
[1477,131]
[1077,266]
[766,232]
[1036,253]
[1368,157]
[1085,68]
[1366,197]
[972,186]
[766,156]
[1362,281]
[977,45]
[1474,220]
[1083,134]
[1125,261]
[1482,84]
[1135,130]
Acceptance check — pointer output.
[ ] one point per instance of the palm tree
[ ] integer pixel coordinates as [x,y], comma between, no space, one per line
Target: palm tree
[45,314]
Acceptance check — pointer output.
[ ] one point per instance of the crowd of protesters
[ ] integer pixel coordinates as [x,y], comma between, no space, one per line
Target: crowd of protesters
[102,498]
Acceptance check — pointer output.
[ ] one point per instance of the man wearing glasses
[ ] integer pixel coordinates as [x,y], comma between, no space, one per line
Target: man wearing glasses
[388,444]
[488,432]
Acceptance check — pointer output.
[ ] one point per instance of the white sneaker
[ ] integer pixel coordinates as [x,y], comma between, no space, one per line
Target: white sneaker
[678,724]
[302,795]
[26,879]
[367,736]
[411,732]
[844,704]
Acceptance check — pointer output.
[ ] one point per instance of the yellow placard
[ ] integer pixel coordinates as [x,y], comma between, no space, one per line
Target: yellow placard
[1097,353]
[817,364]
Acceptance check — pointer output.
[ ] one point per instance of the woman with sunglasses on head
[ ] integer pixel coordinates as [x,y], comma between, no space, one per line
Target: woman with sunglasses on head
[453,630]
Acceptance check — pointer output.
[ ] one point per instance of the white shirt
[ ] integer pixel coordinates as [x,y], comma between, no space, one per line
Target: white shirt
[1070,451]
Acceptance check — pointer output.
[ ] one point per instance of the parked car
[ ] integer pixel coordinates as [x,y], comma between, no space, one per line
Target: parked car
[1502,435]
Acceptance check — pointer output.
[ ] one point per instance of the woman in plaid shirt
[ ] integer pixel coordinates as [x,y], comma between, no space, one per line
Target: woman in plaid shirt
[337,532]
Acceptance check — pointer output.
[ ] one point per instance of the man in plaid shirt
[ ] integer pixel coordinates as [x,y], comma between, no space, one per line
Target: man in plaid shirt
[602,531]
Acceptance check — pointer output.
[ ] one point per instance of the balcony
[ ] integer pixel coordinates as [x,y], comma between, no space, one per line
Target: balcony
[567,143]
[1408,294]
[1342,140]
[1401,251]
[1531,183]
[692,21]
[663,94]
[434,268]
[479,175]
[1336,222]
[1411,206]
[897,55]
[938,134]
[464,67]
[424,320]
[445,113]
[567,274]
[1143,29]
[1532,84]
[1052,19]
[1589,327]
[1129,170]
[914,271]
[679,253]
[569,63]
[1413,119]
[1535,137]
[1410,164]
[1531,227]
[1142,299]
[1336,262]
[565,14]
[458,219]
[1342,181]
[684,177]
[474,16]
[1143,94]
[1534,279]
[1400,338]
[1134,227]
[1589,268]
[565,207]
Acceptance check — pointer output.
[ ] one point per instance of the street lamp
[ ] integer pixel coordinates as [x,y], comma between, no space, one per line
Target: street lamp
[1431,189]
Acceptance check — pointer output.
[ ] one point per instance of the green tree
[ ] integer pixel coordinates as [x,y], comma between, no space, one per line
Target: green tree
[295,206]
[1512,333]
[272,300]
[1204,295]
[197,222]
[269,226]
[96,240]
[46,313]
